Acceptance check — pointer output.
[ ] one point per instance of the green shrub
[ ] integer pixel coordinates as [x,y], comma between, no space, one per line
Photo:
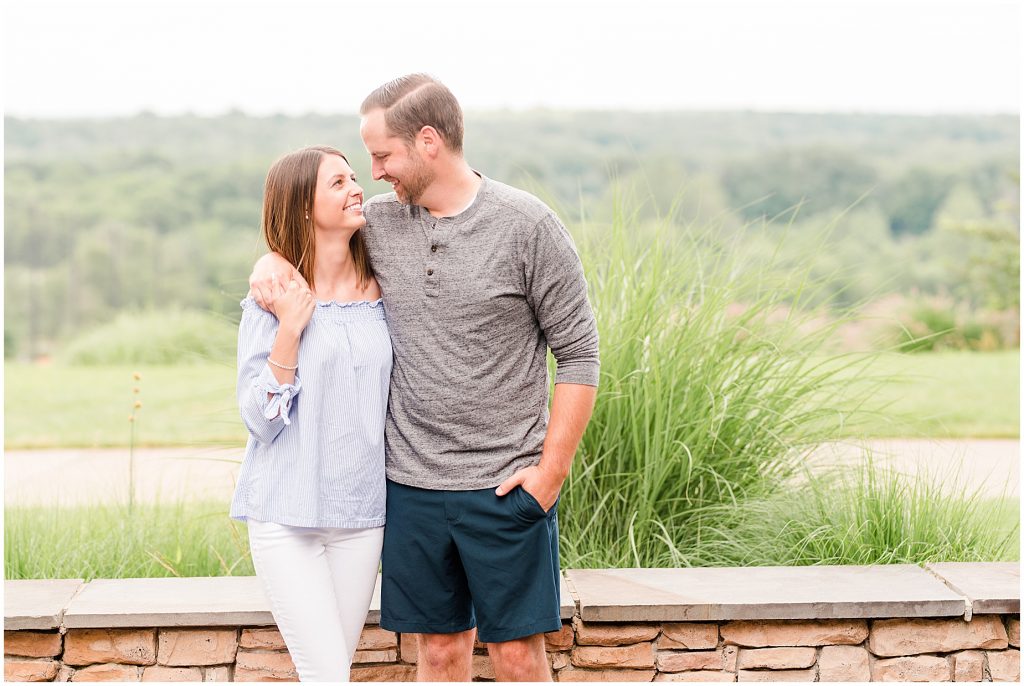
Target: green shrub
[10,344]
[927,324]
[156,337]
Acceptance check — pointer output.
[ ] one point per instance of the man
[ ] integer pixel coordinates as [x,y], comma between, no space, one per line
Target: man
[478,280]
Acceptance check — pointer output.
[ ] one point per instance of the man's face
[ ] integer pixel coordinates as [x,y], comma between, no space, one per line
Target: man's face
[393,160]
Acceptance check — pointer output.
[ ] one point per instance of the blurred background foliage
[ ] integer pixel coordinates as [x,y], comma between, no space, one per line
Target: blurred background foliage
[915,219]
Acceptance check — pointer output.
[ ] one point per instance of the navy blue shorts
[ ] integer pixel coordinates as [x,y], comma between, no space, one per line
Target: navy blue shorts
[453,560]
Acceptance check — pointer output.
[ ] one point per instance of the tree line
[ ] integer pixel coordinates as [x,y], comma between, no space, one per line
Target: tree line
[138,213]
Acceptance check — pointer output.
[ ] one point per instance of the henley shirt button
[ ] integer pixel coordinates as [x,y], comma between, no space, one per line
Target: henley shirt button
[430,272]
[433,248]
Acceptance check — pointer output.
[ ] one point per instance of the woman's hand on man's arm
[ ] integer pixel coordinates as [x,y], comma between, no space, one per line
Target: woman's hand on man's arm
[261,281]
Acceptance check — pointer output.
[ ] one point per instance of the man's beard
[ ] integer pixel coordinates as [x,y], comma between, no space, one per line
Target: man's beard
[414,184]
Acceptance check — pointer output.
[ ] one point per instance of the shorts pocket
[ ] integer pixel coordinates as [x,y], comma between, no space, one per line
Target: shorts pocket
[527,506]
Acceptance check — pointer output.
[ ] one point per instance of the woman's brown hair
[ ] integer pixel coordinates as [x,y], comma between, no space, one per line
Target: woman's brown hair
[287,223]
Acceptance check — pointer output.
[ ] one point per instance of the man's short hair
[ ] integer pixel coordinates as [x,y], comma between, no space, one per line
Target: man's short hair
[414,101]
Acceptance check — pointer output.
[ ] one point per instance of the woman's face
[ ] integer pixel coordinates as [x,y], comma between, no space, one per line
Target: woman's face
[338,202]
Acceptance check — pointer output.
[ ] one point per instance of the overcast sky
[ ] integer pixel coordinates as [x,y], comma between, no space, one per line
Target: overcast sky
[101,58]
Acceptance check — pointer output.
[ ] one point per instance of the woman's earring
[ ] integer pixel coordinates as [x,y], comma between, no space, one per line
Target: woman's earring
[307,215]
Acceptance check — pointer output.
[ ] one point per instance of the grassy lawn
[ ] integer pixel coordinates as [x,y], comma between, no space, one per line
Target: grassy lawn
[71,407]
[947,394]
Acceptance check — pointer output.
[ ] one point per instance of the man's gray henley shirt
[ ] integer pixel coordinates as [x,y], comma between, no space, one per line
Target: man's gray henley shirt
[473,302]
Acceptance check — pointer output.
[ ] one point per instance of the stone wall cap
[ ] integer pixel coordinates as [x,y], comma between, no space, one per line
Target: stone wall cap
[189,601]
[992,587]
[37,603]
[568,605]
[186,601]
[728,593]
[612,595]
[195,601]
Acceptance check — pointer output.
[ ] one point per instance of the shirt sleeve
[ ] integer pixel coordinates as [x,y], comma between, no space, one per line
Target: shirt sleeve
[557,291]
[264,403]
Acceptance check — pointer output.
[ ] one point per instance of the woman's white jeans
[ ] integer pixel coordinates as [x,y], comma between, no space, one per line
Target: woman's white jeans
[319,582]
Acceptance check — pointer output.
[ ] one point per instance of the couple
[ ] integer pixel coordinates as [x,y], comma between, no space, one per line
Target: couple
[470,281]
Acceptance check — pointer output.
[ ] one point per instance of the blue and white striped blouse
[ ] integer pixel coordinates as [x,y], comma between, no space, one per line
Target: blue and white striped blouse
[315,455]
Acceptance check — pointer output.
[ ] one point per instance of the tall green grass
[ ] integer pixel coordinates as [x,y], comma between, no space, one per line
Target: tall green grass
[109,542]
[869,514]
[702,405]
[854,517]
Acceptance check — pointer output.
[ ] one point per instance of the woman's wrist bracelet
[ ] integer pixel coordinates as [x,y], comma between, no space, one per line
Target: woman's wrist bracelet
[282,366]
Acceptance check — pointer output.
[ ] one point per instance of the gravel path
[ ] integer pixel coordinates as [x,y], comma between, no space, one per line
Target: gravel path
[991,466]
[81,477]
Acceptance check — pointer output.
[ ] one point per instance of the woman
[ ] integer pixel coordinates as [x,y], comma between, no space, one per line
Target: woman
[313,392]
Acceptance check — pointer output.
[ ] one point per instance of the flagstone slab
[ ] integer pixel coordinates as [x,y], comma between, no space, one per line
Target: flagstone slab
[189,601]
[192,601]
[567,603]
[992,587]
[37,603]
[195,601]
[713,593]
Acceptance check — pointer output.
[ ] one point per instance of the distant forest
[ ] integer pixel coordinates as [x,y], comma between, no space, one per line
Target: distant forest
[139,213]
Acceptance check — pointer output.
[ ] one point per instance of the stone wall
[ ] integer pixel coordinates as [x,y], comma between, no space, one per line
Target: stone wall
[984,649]
[697,629]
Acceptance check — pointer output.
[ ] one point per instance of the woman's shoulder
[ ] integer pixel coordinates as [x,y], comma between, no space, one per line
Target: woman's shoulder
[251,311]
[249,303]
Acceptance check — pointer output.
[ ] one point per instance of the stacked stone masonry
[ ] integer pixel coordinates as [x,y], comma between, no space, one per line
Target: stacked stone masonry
[985,647]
